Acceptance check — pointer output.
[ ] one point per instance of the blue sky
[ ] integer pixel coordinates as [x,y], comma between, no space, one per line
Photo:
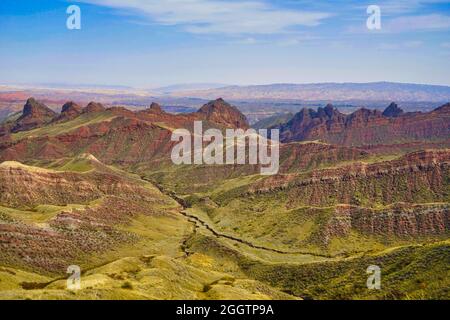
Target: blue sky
[148,43]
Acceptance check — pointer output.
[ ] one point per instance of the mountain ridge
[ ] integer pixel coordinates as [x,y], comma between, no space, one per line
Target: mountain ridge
[372,91]
[366,126]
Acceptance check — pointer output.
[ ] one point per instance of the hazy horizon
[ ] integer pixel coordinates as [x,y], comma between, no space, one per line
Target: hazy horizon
[205,86]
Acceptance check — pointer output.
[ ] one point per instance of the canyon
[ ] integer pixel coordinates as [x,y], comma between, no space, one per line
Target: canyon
[95,186]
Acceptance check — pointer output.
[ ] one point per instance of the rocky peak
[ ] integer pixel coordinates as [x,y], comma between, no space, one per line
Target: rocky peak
[156,108]
[70,110]
[221,112]
[329,110]
[70,107]
[392,111]
[93,107]
[34,114]
[33,108]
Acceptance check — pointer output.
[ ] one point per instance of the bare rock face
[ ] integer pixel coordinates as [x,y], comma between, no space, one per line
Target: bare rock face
[156,108]
[392,111]
[419,177]
[221,112]
[34,115]
[91,229]
[69,111]
[23,186]
[401,220]
[367,127]
[93,107]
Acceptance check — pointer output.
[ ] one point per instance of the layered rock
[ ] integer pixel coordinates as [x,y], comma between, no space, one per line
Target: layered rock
[399,220]
[116,135]
[69,111]
[34,115]
[419,177]
[79,227]
[23,186]
[367,127]
[221,112]
[93,107]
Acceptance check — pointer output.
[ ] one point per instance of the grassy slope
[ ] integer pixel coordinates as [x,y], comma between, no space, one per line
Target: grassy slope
[64,127]
[410,271]
[157,266]
[407,272]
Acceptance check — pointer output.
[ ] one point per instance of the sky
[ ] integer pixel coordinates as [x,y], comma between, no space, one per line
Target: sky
[151,43]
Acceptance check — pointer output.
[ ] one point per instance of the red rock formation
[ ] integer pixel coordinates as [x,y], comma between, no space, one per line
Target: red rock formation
[392,111]
[155,108]
[69,111]
[220,112]
[93,107]
[415,178]
[125,137]
[367,127]
[399,220]
[34,115]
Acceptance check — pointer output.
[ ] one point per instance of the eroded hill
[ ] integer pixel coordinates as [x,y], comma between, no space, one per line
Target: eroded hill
[95,187]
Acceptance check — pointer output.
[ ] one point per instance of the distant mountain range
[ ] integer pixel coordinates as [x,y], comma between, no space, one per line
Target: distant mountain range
[366,126]
[375,91]
[187,87]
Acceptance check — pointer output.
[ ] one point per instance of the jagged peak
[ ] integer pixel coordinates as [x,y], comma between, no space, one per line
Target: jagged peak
[71,107]
[31,100]
[156,108]
[216,104]
[221,112]
[32,106]
[93,107]
[392,111]
[34,114]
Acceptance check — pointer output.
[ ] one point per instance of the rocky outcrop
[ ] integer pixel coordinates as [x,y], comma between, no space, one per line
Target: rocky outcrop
[25,187]
[81,227]
[392,111]
[155,108]
[93,107]
[117,135]
[419,177]
[221,112]
[34,115]
[69,111]
[297,157]
[367,127]
[399,220]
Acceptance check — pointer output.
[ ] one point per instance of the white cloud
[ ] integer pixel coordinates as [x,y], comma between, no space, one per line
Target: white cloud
[219,16]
